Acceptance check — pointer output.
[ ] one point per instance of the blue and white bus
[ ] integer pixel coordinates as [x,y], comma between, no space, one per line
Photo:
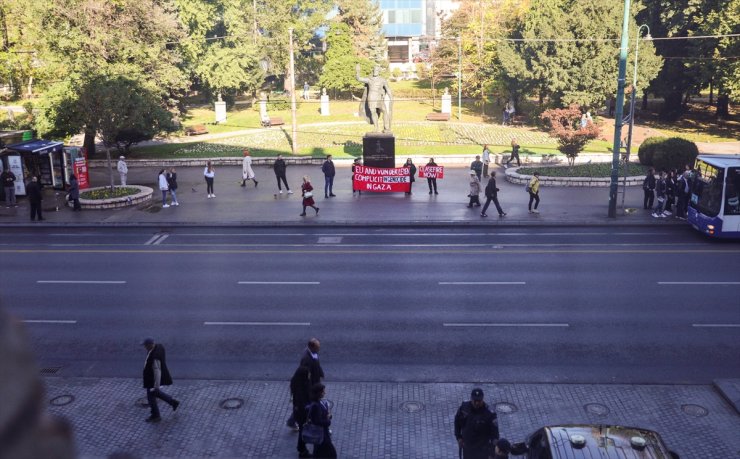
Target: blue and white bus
[714,208]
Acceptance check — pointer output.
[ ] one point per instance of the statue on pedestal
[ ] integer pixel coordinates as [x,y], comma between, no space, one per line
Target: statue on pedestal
[376,99]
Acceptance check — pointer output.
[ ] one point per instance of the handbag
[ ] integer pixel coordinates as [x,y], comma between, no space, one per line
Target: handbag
[308,194]
[528,189]
[312,434]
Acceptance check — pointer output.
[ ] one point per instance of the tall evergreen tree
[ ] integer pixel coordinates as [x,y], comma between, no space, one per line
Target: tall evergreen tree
[365,20]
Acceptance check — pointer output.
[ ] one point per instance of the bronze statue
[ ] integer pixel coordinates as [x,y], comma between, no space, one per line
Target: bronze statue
[376,99]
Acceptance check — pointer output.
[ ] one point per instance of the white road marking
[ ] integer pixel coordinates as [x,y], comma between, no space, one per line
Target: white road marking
[716,325]
[482,283]
[78,282]
[288,324]
[278,283]
[699,283]
[503,325]
[50,321]
[162,238]
[156,239]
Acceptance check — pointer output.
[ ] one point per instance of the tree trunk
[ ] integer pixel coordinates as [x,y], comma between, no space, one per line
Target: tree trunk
[110,167]
[89,143]
[723,106]
[711,92]
[30,87]
[645,101]
[672,106]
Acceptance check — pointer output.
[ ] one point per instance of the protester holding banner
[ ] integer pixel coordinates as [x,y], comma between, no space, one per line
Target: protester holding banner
[354,168]
[474,189]
[307,192]
[432,181]
[412,173]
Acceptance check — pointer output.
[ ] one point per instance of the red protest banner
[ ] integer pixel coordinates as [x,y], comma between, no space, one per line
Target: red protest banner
[432,172]
[381,179]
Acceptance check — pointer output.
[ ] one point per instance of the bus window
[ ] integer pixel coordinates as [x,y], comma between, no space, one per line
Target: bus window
[707,193]
[732,191]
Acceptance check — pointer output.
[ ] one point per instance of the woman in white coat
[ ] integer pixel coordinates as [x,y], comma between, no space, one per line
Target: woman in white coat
[247,172]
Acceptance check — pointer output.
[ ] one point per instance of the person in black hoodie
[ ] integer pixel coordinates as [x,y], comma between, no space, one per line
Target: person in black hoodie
[476,427]
[648,187]
[492,195]
[156,374]
[33,191]
[329,172]
[432,181]
[300,392]
[280,167]
[74,192]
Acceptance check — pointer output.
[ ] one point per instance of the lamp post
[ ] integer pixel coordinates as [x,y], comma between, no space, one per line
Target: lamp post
[632,103]
[459,78]
[614,185]
[294,139]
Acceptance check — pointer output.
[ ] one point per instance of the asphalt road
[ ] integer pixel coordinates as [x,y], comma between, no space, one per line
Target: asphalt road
[587,305]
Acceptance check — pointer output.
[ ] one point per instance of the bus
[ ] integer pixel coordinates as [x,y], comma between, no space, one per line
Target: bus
[714,208]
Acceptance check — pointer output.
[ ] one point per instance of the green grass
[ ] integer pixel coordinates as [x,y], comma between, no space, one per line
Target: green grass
[584,170]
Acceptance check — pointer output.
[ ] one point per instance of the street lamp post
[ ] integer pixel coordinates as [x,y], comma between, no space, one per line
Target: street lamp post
[294,140]
[614,185]
[633,99]
[459,78]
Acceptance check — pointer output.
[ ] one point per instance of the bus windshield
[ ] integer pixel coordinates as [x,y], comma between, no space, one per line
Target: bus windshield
[706,196]
[732,191]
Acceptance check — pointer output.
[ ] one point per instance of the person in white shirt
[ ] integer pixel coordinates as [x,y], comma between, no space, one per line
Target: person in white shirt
[486,160]
[122,169]
[209,173]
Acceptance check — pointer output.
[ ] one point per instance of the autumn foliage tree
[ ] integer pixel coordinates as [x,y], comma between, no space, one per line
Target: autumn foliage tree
[565,126]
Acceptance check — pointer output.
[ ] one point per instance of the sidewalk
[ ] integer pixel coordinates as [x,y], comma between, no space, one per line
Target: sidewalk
[372,420]
[263,206]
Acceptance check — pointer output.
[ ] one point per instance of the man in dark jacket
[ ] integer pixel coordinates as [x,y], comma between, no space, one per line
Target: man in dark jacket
[7,178]
[300,392]
[648,188]
[74,192]
[492,195]
[33,191]
[310,359]
[329,172]
[279,167]
[156,374]
[476,427]
[477,166]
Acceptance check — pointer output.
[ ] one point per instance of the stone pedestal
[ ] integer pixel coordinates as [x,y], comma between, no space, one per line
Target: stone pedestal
[220,112]
[324,105]
[263,109]
[379,149]
[446,103]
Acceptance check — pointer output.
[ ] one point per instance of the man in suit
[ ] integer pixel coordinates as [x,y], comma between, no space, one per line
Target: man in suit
[492,195]
[156,374]
[310,360]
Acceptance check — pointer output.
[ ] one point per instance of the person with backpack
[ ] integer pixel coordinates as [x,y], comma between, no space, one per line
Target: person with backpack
[533,188]
[300,393]
[683,193]
[319,415]
[476,428]
[648,187]
[660,191]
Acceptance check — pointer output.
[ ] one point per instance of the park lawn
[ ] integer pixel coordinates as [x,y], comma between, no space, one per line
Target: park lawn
[600,170]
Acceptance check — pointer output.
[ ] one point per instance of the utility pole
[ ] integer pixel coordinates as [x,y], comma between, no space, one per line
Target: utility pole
[614,185]
[459,78]
[294,140]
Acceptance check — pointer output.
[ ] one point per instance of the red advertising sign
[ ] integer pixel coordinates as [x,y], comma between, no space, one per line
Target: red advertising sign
[382,179]
[80,171]
[432,172]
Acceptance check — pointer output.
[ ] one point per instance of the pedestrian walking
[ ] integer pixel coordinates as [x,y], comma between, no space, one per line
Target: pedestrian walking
[247,172]
[514,154]
[164,187]
[412,173]
[156,375]
[505,114]
[280,168]
[476,427]
[172,184]
[477,166]
[7,178]
[122,169]
[329,171]
[355,163]
[661,194]
[486,160]
[492,196]
[432,181]
[648,188]
[533,188]
[307,193]
[306,88]
[310,359]
[319,415]
[209,173]
[33,191]
[474,193]
[74,193]
[300,394]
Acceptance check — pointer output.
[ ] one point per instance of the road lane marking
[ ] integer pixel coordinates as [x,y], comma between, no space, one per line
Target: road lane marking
[329,250]
[31,321]
[699,283]
[278,324]
[157,238]
[78,282]
[482,233]
[162,238]
[482,283]
[502,325]
[716,325]
[278,283]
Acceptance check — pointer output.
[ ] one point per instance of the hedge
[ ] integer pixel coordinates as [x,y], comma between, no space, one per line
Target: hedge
[667,153]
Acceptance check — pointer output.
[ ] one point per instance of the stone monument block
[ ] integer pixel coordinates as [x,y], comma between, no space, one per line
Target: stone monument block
[220,112]
[446,102]
[379,149]
[324,105]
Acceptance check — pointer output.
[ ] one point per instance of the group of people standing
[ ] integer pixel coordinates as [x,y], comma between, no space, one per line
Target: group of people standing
[672,190]
[168,184]
[431,181]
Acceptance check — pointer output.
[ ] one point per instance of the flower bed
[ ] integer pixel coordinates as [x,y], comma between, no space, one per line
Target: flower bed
[102,198]
[585,175]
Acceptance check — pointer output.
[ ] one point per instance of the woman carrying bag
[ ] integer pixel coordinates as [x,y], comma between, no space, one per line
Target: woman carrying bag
[307,191]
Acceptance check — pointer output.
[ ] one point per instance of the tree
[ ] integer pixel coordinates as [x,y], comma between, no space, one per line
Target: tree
[577,65]
[338,73]
[565,126]
[365,21]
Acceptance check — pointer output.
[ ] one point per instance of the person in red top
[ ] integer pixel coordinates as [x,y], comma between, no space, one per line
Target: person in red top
[307,191]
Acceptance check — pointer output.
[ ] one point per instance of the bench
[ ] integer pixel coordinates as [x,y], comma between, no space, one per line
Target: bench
[198,129]
[518,120]
[438,116]
[273,121]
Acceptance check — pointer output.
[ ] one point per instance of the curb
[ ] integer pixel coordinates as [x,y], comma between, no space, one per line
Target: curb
[730,390]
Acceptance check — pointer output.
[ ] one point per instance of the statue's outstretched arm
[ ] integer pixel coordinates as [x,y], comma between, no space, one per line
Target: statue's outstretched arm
[357,75]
